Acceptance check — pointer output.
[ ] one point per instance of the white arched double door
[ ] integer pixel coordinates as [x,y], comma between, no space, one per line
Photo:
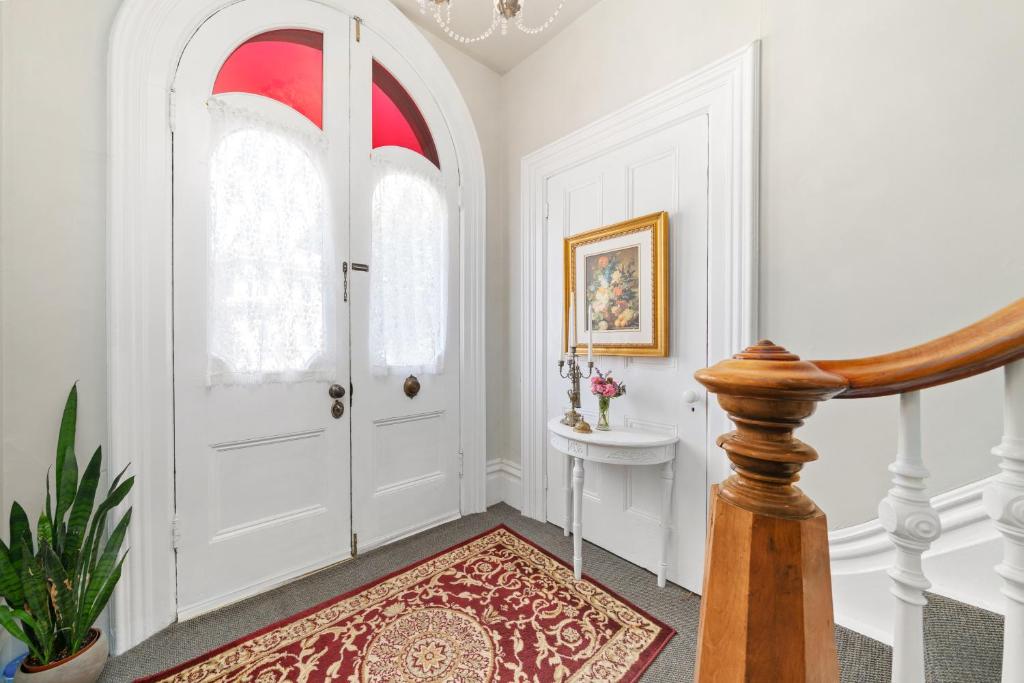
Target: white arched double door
[316,229]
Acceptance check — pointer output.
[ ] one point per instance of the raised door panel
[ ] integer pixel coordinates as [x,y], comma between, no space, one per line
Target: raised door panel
[666,171]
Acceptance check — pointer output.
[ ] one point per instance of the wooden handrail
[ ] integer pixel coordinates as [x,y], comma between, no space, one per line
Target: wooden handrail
[986,345]
[766,610]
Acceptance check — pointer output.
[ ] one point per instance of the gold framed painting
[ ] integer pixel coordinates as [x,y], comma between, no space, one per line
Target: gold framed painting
[616,287]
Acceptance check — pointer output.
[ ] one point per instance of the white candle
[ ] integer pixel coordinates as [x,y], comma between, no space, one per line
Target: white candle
[590,333]
[571,322]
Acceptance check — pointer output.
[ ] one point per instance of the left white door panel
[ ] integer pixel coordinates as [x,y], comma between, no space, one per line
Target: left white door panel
[262,470]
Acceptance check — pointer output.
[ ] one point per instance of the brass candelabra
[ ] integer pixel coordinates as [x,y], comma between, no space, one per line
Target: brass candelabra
[574,374]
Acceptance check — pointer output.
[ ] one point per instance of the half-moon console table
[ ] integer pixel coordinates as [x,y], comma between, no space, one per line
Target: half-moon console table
[629,447]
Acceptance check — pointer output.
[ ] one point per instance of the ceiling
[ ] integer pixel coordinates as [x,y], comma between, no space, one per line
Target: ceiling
[499,52]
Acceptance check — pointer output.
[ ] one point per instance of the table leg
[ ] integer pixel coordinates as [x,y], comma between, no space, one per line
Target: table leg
[577,518]
[667,481]
[567,490]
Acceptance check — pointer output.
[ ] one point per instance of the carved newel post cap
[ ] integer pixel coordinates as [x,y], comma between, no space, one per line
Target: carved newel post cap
[768,392]
[767,369]
[766,612]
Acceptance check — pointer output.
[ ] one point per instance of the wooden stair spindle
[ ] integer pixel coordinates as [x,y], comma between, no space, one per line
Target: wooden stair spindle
[766,611]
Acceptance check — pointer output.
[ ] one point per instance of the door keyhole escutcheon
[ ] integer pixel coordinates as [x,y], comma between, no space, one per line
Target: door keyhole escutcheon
[336,391]
[337,410]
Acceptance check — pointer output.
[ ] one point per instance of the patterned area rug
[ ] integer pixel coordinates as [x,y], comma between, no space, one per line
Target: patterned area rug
[495,608]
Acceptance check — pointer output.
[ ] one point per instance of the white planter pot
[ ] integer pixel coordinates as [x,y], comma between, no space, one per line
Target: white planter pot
[83,667]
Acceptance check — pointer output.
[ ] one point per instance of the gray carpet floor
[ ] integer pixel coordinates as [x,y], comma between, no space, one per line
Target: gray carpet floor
[861,659]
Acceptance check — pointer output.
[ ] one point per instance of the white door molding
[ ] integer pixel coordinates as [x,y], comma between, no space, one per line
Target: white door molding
[147,41]
[727,92]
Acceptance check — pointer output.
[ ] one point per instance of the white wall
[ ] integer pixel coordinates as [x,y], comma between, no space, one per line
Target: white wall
[890,188]
[52,229]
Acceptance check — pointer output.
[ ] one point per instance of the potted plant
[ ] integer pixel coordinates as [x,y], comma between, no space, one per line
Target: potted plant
[56,582]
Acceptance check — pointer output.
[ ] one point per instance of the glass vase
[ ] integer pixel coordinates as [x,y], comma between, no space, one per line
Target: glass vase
[603,404]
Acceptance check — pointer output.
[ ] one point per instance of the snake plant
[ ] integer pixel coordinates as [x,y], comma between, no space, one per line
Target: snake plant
[57,583]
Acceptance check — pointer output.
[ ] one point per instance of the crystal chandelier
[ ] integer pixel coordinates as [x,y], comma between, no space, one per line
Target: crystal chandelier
[505,12]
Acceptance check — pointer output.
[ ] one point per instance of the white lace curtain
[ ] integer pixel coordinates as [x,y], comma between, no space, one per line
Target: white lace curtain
[409,266]
[269,314]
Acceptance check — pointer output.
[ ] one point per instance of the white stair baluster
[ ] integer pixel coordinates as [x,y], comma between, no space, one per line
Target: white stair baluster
[1004,503]
[913,524]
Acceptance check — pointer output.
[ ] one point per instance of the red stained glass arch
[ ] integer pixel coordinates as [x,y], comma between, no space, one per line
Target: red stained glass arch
[397,121]
[286,65]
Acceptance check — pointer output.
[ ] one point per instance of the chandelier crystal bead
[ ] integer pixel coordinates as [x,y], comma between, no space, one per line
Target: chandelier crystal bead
[504,13]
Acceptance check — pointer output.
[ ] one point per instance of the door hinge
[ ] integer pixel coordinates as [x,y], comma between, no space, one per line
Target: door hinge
[359,29]
[355,544]
[344,271]
[547,211]
[171,109]
[462,463]
[175,532]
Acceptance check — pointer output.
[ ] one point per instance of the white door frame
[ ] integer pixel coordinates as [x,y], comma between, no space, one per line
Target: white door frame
[727,91]
[147,41]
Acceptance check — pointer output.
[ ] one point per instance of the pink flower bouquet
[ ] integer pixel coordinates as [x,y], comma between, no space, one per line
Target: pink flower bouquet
[605,387]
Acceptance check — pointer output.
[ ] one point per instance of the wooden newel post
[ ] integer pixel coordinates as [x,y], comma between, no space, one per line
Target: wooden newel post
[766,612]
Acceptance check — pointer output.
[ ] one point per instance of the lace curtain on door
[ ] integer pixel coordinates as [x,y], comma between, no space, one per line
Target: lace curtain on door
[409,267]
[269,309]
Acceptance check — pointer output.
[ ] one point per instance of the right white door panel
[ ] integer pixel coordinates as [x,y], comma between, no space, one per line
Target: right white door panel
[406,469]
[664,171]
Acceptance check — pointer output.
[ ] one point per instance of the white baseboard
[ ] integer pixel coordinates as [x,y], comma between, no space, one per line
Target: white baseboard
[960,564]
[504,483]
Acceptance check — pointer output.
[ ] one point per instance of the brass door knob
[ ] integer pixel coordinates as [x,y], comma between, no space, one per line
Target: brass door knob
[411,386]
[336,391]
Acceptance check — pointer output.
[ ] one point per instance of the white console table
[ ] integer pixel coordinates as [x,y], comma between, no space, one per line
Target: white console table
[628,447]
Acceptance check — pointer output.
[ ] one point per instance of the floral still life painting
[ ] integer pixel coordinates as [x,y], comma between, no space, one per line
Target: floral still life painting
[616,288]
[613,288]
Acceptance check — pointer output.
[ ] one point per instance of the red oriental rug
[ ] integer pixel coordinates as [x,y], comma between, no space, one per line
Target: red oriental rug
[495,608]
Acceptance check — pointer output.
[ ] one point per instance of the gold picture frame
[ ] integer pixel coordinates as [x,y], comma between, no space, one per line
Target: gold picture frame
[619,275]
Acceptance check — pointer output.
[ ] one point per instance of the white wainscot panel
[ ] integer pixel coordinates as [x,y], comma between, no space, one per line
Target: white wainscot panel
[584,207]
[406,451]
[267,481]
[653,183]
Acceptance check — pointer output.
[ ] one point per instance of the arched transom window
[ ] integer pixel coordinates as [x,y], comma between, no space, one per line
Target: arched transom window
[409,283]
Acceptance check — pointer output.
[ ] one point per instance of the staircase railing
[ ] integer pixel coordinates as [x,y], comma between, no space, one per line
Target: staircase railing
[766,612]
